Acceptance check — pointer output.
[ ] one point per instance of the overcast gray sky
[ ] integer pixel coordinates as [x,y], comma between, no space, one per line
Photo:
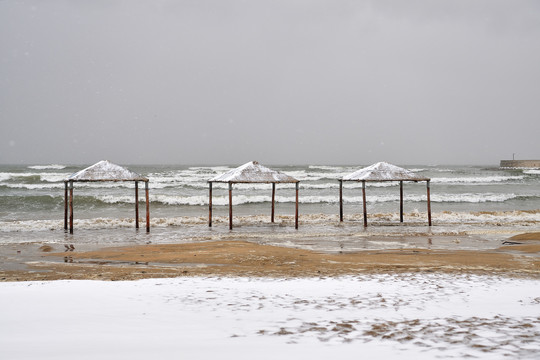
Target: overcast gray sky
[282,82]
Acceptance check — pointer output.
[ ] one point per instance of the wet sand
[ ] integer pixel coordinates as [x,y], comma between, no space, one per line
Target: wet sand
[518,256]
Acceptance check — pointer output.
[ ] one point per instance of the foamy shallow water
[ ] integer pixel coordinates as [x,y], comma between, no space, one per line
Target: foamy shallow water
[319,232]
[410,316]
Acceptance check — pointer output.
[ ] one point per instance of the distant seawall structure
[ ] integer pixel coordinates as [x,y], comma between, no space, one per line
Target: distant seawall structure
[513,164]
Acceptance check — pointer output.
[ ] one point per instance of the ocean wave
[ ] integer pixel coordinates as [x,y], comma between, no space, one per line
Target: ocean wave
[33,177]
[339,169]
[481,179]
[215,169]
[532,172]
[508,219]
[240,199]
[33,186]
[53,177]
[442,170]
[47,167]
[468,198]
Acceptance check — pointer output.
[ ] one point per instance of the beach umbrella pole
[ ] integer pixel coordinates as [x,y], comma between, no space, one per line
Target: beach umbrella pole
[428,203]
[230,206]
[136,204]
[273,200]
[209,204]
[147,206]
[296,211]
[364,202]
[341,200]
[65,205]
[401,201]
[71,207]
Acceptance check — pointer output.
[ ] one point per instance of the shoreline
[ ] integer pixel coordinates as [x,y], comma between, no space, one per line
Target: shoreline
[519,256]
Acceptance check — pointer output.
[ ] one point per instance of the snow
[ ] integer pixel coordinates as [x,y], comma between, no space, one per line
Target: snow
[106,171]
[413,316]
[253,172]
[383,171]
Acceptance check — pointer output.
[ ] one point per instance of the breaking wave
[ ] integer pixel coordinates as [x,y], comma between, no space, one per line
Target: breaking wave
[480,179]
[239,199]
[47,167]
[508,219]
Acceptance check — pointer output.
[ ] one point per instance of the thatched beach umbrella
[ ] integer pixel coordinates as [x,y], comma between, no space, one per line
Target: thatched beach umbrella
[252,172]
[378,172]
[100,172]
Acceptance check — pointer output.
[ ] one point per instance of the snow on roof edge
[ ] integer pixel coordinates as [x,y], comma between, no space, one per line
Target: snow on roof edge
[253,172]
[383,171]
[104,170]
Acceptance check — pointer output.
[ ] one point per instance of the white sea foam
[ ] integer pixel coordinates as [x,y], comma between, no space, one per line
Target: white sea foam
[333,168]
[467,198]
[439,198]
[484,223]
[47,167]
[532,172]
[214,169]
[239,199]
[47,225]
[60,185]
[442,170]
[53,177]
[480,179]
[47,177]
[34,186]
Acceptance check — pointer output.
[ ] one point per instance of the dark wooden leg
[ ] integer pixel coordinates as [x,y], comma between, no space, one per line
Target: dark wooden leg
[341,200]
[147,206]
[65,205]
[401,201]
[428,204]
[209,204]
[296,212]
[71,207]
[230,206]
[273,201]
[364,201]
[136,204]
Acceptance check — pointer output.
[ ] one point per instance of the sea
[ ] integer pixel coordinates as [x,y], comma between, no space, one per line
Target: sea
[471,202]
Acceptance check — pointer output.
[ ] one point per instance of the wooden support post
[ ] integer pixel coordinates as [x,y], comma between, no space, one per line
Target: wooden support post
[273,200]
[209,204]
[136,204]
[401,201]
[147,206]
[230,206]
[71,206]
[65,205]
[428,204]
[364,201]
[341,200]
[296,212]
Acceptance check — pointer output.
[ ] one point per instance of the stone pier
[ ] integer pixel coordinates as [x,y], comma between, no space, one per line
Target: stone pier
[513,164]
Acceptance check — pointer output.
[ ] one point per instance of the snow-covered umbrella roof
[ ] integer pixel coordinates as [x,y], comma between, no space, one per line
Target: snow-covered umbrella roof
[383,171]
[106,171]
[253,172]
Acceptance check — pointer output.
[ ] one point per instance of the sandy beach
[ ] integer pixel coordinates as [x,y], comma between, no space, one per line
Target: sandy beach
[246,298]
[517,256]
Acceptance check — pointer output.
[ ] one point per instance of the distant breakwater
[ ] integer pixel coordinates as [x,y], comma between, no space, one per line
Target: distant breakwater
[534,164]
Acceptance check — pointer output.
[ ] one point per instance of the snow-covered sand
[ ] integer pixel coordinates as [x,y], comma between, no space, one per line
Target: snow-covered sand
[410,316]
